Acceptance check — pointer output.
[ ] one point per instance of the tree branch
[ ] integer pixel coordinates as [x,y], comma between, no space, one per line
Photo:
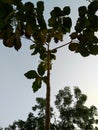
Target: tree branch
[62,46]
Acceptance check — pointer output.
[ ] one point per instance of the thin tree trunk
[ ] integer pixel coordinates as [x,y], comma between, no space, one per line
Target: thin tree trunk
[47,118]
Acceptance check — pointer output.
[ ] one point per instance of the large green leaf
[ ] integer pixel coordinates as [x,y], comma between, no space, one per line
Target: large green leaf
[82,11]
[41,69]
[36,84]
[66,10]
[73,47]
[73,35]
[17,44]
[31,74]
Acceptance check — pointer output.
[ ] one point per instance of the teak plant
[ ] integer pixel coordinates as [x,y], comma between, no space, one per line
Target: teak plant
[19,20]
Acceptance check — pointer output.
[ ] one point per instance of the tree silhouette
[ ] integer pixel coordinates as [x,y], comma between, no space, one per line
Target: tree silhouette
[27,20]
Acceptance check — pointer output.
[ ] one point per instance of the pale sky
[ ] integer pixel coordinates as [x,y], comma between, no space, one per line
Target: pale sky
[16,95]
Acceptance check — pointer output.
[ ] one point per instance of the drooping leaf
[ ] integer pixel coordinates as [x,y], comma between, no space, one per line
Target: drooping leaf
[17,44]
[31,74]
[41,69]
[36,84]
[82,11]
[66,10]
[73,35]
[73,46]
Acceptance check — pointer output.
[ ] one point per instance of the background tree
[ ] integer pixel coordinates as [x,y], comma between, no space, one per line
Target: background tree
[73,114]
[26,20]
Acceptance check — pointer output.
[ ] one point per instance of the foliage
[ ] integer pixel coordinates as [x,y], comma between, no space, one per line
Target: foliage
[18,19]
[72,111]
[86,26]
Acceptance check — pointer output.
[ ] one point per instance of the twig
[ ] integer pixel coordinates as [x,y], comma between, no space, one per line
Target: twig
[28,39]
[62,46]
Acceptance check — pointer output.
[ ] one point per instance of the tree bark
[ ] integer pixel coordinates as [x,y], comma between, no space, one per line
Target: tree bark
[47,118]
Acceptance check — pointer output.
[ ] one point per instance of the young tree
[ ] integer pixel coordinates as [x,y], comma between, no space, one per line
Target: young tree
[73,114]
[25,20]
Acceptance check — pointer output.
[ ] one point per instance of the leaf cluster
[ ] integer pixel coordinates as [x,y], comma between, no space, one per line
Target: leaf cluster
[38,77]
[28,20]
[60,22]
[86,26]
[20,19]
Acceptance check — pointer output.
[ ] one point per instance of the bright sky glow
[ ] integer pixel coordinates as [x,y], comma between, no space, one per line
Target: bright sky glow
[16,96]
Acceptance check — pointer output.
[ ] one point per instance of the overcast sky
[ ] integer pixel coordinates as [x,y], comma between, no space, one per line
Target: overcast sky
[16,96]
